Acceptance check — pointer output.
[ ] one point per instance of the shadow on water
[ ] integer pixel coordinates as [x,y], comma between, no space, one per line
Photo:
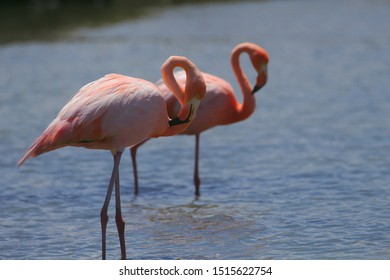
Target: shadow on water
[27,20]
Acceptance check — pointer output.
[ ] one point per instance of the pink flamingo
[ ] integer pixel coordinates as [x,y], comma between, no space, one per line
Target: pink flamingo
[115,112]
[219,107]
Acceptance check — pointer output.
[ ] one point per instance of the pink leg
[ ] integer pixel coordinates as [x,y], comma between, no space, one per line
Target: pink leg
[103,213]
[120,223]
[196,171]
[133,153]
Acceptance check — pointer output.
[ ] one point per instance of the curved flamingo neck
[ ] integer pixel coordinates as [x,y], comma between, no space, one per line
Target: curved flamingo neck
[194,86]
[170,81]
[245,109]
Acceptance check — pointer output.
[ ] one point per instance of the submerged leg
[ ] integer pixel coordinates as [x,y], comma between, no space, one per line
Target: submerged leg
[196,170]
[103,213]
[133,153]
[120,223]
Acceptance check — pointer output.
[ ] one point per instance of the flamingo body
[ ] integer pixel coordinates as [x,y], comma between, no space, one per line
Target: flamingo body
[115,112]
[220,106]
[111,113]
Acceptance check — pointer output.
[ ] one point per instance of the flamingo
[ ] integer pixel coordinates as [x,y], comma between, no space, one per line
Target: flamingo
[219,107]
[115,112]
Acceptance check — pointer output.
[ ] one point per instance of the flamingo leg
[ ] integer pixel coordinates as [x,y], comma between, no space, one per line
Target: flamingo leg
[133,153]
[103,213]
[120,223]
[196,170]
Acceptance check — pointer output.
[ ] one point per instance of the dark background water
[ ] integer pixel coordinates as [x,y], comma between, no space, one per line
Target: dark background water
[305,177]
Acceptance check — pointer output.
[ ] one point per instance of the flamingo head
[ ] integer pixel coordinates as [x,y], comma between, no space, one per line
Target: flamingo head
[193,92]
[259,58]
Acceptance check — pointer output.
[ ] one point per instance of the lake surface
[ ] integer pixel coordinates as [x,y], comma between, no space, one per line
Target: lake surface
[307,176]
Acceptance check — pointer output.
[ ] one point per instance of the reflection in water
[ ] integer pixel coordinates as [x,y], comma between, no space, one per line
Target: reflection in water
[23,20]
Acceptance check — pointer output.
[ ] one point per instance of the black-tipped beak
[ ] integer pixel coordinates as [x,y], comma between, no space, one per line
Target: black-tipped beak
[256,88]
[177,121]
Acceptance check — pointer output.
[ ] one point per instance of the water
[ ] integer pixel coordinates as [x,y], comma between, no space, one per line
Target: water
[306,177]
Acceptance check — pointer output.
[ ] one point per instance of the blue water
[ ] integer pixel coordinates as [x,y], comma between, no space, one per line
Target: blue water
[307,176]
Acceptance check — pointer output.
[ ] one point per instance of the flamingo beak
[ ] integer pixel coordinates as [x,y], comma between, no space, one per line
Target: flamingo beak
[256,88]
[261,78]
[177,121]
